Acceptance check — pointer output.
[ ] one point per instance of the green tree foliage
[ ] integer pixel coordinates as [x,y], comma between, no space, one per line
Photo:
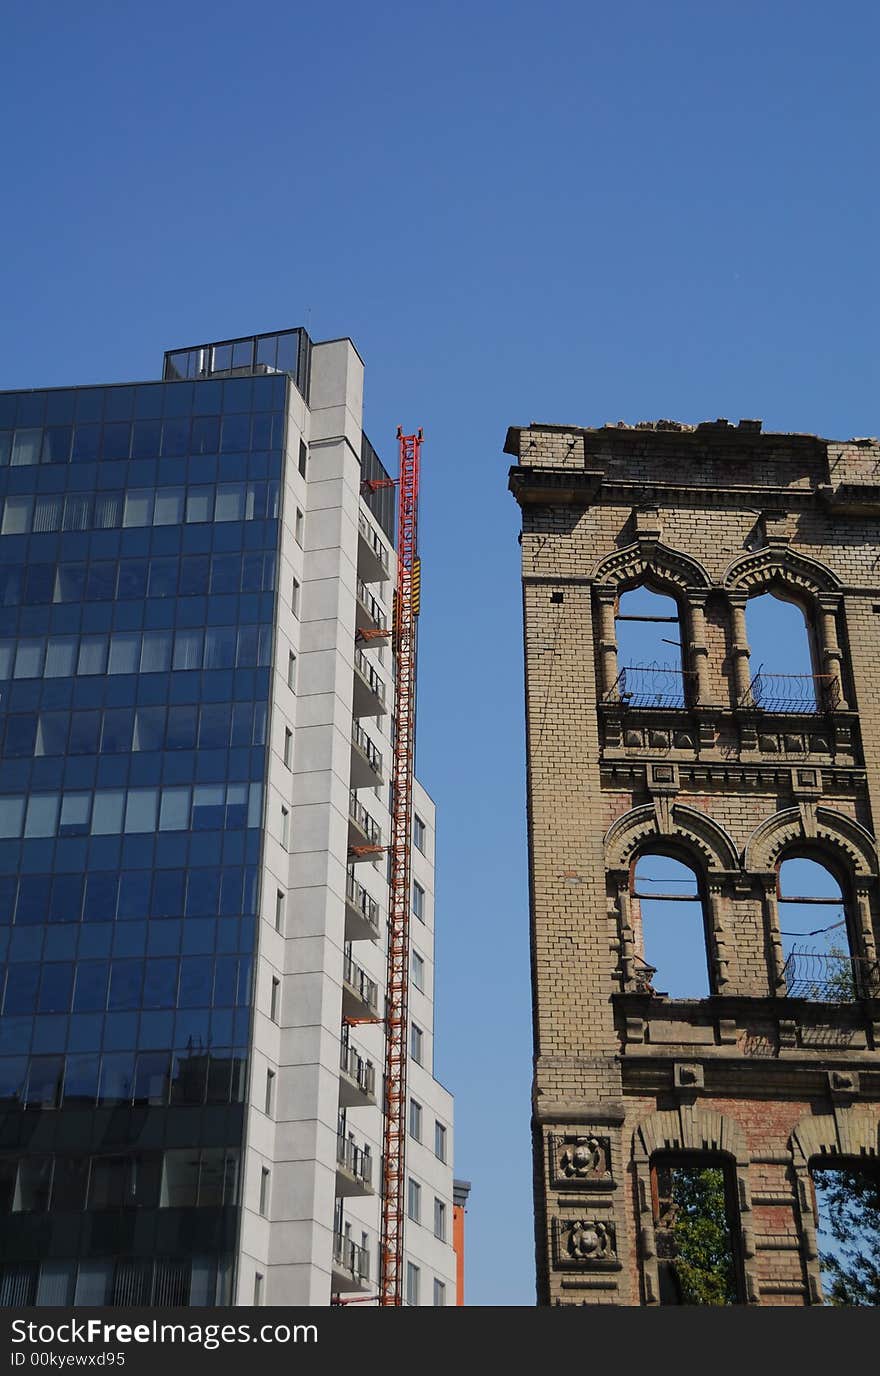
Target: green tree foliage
[841,983]
[704,1262]
[849,1210]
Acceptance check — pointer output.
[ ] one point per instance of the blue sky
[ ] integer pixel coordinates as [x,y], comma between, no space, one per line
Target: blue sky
[567,212]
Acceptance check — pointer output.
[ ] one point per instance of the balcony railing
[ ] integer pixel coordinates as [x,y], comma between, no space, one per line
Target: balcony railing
[793,692]
[367,824]
[358,897]
[354,1159]
[357,979]
[372,539]
[652,685]
[371,606]
[830,976]
[358,1068]
[350,1257]
[363,743]
[366,670]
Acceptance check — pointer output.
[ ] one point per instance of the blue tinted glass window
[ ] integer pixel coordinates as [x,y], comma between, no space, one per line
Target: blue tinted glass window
[195,982]
[21,735]
[117,1077]
[80,1086]
[160,984]
[67,897]
[90,995]
[57,443]
[126,978]
[22,984]
[86,442]
[203,891]
[134,893]
[26,446]
[56,986]
[205,434]
[168,890]
[100,897]
[33,898]
[84,730]
[45,1076]
[146,439]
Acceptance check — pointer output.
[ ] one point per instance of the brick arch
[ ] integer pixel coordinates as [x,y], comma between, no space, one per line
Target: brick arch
[709,842]
[849,1132]
[634,563]
[832,832]
[689,1128]
[750,572]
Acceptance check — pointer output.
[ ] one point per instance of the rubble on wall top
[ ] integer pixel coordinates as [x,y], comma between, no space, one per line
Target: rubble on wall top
[754,426]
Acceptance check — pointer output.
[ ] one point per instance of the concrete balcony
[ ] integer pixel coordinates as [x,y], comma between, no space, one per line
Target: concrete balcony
[372,565]
[357,1078]
[351,1266]
[361,913]
[366,760]
[369,690]
[364,833]
[360,994]
[354,1169]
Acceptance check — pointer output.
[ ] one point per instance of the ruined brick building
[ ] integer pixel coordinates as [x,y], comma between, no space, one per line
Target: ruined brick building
[710,765]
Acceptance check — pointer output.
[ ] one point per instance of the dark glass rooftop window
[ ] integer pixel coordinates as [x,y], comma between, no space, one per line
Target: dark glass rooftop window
[289,351]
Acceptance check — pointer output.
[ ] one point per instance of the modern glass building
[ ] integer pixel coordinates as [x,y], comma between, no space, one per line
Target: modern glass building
[194,737]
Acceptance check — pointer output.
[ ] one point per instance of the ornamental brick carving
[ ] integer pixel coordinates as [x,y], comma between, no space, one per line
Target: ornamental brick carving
[584,1244]
[581,1161]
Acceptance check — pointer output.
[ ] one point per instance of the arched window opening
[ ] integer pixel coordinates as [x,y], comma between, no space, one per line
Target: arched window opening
[847,1198]
[669,928]
[815,939]
[695,1224]
[782,661]
[649,650]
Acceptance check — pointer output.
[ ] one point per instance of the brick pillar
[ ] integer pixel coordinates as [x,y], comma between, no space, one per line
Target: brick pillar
[740,646]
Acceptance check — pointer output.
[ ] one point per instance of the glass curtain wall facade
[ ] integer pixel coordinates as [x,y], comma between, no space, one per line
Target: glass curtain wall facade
[139,531]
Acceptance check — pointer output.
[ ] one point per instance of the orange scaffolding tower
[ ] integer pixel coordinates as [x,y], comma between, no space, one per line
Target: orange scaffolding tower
[397,984]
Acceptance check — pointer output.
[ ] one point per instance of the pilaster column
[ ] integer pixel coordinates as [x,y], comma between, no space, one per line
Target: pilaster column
[830,652]
[719,937]
[699,650]
[607,599]
[739,646]
[625,928]
[866,938]
[774,936]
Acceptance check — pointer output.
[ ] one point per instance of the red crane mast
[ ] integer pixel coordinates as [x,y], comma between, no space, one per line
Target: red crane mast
[397,982]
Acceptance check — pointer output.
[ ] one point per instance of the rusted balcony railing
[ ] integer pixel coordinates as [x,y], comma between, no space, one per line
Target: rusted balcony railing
[354,1159]
[350,1257]
[371,606]
[367,672]
[830,976]
[652,685]
[357,979]
[368,825]
[358,1068]
[373,541]
[358,897]
[366,747]
[793,693]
